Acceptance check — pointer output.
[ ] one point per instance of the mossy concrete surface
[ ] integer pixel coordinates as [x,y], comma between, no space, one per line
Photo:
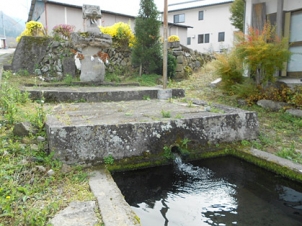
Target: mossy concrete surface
[96,93]
[86,133]
[113,207]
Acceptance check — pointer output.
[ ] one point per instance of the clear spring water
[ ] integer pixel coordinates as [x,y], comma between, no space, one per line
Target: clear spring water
[220,191]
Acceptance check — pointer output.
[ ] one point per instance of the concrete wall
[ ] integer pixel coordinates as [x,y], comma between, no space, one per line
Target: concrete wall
[216,19]
[83,143]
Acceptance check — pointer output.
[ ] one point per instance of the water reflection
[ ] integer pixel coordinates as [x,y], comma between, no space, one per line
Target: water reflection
[222,191]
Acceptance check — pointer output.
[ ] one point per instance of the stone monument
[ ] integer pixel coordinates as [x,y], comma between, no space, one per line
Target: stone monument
[89,44]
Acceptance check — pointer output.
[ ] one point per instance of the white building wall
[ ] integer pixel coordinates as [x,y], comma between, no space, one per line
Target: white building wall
[216,19]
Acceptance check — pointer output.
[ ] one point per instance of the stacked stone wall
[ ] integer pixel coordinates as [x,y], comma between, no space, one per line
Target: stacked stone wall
[57,59]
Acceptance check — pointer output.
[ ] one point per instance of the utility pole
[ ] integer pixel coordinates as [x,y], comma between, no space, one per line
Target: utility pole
[165,49]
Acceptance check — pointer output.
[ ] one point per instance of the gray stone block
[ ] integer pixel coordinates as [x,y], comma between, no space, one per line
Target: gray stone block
[29,52]
[92,69]
[295,112]
[69,66]
[76,214]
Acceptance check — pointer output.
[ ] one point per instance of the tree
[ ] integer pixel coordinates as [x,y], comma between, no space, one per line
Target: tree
[237,11]
[263,52]
[146,51]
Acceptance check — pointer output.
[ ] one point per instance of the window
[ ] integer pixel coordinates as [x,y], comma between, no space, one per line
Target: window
[180,18]
[204,38]
[220,36]
[200,38]
[200,15]
[189,41]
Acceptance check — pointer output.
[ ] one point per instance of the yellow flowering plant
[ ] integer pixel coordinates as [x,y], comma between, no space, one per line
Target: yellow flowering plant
[173,38]
[121,34]
[32,28]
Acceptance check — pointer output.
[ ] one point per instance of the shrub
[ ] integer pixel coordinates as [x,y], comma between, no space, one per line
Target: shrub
[247,89]
[229,67]
[283,93]
[173,38]
[121,34]
[171,65]
[32,28]
[297,98]
[63,30]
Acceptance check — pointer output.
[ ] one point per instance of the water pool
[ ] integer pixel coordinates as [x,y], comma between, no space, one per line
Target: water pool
[219,191]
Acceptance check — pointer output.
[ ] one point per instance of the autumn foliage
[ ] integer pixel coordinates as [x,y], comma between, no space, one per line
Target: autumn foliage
[263,52]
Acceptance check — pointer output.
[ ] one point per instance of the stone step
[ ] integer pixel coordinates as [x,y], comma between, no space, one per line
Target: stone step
[86,133]
[96,94]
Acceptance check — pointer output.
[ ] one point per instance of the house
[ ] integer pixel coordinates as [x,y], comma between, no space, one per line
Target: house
[212,30]
[52,13]
[287,16]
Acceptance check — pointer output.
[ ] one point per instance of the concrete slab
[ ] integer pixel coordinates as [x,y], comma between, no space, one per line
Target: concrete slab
[86,133]
[97,93]
[115,211]
[295,167]
[76,214]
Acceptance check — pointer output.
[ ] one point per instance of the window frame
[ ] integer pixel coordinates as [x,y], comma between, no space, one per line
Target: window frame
[221,36]
[177,17]
[201,15]
[203,38]
[188,41]
[207,38]
[200,39]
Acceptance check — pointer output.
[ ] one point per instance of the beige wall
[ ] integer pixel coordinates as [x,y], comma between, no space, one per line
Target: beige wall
[59,14]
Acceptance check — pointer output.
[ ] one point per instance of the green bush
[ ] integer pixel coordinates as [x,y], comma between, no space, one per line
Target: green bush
[229,67]
[171,65]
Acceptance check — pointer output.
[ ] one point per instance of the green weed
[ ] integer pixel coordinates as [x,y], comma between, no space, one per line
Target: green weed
[68,79]
[165,114]
[290,153]
[146,97]
[109,160]
[168,153]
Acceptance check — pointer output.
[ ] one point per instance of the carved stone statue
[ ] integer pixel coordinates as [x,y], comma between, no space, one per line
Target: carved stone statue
[90,43]
[92,12]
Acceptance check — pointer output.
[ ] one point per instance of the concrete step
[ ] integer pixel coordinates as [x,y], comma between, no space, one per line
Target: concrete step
[85,133]
[96,93]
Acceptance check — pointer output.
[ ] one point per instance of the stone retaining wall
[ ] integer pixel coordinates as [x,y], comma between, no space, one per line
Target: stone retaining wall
[54,59]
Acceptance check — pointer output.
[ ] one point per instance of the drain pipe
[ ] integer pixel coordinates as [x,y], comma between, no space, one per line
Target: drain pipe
[176,151]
